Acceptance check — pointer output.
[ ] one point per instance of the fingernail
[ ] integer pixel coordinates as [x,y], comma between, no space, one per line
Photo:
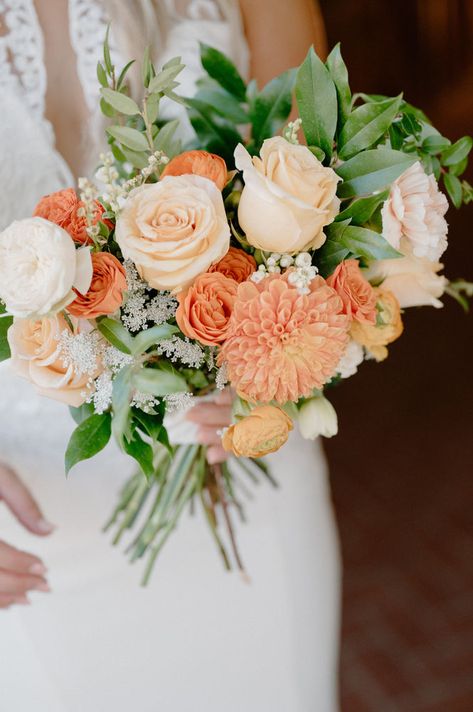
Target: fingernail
[42,586]
[38,569]
[45,526]
[22,600]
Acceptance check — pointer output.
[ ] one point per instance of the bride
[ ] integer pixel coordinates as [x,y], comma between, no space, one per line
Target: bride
[196,638]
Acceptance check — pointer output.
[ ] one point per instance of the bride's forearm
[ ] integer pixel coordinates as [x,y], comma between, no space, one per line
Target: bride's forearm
[279,34]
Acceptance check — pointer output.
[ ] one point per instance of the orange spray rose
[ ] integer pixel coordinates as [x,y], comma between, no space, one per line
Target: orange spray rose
[206,307]
[63,208]
[237,264]
[200,163]
[105,293]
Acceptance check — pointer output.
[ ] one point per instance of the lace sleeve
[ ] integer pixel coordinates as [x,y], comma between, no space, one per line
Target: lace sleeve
[21,54]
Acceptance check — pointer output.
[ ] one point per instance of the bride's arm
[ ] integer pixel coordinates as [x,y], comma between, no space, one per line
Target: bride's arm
[280,33]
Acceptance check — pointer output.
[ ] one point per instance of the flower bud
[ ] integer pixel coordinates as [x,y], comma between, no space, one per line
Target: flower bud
[318,417]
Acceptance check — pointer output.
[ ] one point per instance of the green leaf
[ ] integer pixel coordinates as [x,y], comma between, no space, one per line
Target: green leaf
[459,168]
[140,451]
[116,334]
[317,102]
[123,73]
[5,323]
[102,75]
[157,382]
[361,210]
[223,103]
[366,125]
[89,438]
[82,412]
[146,68]
[152,107]
[138,159]
[454,188]
[131,138]
[106,109]
[152,336]
[149,423]
[217,135]
[220,68]
[121,397]
[165,141]
[165,78]
[106,53]
[372,170]
[435,144]
[272,106]
[329,256]
[339,73]
[457,152]
[367,244]
[120,102]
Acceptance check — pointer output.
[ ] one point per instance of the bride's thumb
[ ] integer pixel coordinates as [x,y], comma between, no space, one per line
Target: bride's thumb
[22,504]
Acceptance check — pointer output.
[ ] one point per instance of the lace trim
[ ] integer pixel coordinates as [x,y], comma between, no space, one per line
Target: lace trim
[87,26]
[21,53]
[195,9]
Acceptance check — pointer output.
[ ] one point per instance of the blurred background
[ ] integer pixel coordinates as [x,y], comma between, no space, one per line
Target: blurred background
[403,488]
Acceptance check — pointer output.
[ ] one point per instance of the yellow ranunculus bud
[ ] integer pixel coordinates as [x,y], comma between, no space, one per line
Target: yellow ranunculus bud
[389,327]
[264,430]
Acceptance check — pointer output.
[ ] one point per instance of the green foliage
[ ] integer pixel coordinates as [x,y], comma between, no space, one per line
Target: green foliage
[339,73]
[158,382]
[215,133]
[372,170]
[366,125]
[360,211]
[461,291]
[116,334]
[222,69]
[5,323]
[82,412]
[271,107]
[128,137]
[454,188]
[140,451]
[89,438]
[317,102]
[346,240]
[120,102]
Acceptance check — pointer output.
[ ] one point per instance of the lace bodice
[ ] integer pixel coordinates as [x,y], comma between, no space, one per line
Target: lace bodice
[30,165]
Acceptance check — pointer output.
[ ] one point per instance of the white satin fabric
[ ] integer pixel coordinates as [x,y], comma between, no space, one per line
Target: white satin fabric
[197,638]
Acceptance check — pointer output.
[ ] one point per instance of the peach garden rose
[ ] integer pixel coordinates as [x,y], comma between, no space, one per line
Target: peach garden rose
[288,197]
[105,293]
[173,230]
[205,308]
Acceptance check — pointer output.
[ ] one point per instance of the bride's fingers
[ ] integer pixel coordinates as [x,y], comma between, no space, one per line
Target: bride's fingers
[20,501]
[211,414]
[215,454]
[13,584]
[8,600]
[21,562]
[208,435]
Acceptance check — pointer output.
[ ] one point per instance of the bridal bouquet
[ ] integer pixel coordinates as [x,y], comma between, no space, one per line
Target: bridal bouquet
[267,256]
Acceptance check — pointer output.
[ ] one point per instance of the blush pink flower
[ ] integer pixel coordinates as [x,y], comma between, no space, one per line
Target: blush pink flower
[356,293]
[283,344]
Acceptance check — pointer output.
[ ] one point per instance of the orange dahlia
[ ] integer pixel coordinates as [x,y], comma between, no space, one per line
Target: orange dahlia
[283,344]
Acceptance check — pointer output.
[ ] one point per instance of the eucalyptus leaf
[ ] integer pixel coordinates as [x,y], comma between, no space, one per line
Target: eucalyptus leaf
[165,141]
[121,398]
[128,137]
[454,188]
[271,107]
[102,75]
[106,53]
[317,102]
[5,323]
[106,109]
[138,159]
[157,382]
[339,73]
[120,102]
[372,170]
[457,152]
[116,334]
[151,337]
[123,73]
[81,413]
[89,438]
[220,68]
[152,107]
[366,125]
[165,77]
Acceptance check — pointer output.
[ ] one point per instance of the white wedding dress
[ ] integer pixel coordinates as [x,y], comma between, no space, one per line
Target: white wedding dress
[197,638]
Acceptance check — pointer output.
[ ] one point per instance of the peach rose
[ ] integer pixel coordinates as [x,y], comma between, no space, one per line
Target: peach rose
[288,197]
[105,293]
[356,293]
[389,327]
[206,307]
[173,230]
[199,163]
[263,431]
[36,355]
[63,208]
[237,264]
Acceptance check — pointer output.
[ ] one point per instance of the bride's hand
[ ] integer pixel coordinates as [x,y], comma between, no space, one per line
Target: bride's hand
[211,417]
[20,572]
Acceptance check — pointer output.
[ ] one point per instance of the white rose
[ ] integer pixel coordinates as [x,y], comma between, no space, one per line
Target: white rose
[351,359]
[413,280]
[318,417]
[413,215]
[288,197]
[39,266]
[173,230]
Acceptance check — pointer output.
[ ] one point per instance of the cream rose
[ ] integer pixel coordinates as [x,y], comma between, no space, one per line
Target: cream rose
[413,215]
[288,197]
[173,230]
[413,280]
[39,266]
[36,355]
